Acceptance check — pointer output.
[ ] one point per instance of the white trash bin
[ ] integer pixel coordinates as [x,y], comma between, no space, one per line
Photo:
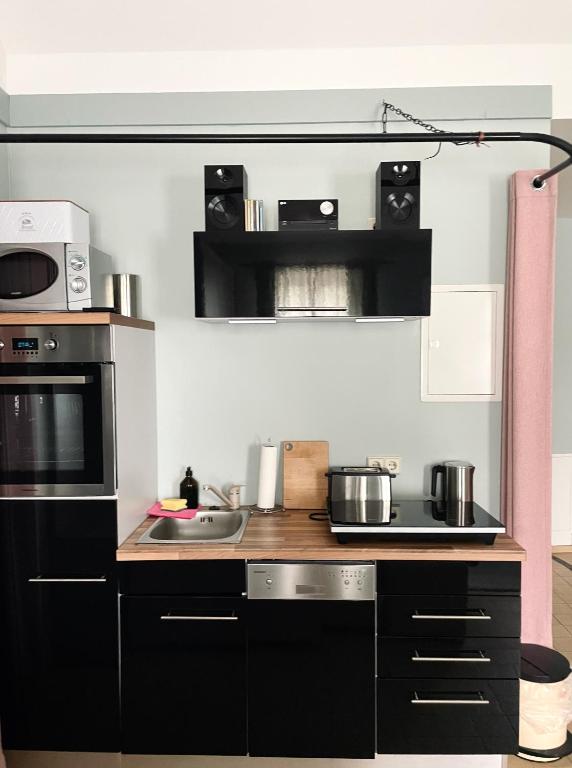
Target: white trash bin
[545,704]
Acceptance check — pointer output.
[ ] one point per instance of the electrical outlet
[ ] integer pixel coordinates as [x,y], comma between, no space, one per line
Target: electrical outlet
[371,222]
[391,463]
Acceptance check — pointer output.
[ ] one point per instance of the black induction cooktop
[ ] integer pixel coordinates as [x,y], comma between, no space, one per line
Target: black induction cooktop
[414,519]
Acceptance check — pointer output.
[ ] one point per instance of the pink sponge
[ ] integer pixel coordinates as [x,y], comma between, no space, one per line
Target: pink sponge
[186,514]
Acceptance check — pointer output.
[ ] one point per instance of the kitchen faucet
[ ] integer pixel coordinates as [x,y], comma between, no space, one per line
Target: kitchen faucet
[232,500]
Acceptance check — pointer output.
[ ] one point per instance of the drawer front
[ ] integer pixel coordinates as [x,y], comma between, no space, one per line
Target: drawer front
[447,717]
[194,577]
[438,578]
[453,616]
[473,658]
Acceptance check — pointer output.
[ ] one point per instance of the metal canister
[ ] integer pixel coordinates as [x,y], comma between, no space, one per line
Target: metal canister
[124,293]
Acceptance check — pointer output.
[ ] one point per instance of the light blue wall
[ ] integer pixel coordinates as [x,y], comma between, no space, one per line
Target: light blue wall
[562,404]
[221,388]
[4,119]
[279,107]
[4,178]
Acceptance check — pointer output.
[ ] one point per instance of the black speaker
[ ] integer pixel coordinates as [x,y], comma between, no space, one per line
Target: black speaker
[398,195]
[225,190]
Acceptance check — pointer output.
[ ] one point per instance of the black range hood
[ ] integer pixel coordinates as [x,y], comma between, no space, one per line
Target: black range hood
[352,275]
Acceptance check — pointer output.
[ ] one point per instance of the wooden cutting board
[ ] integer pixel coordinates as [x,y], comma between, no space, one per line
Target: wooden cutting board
[305,463]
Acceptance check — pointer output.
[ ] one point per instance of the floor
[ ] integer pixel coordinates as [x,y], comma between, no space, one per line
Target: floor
[561,627]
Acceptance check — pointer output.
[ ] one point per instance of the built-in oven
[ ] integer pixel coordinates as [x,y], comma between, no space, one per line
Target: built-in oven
[57,420]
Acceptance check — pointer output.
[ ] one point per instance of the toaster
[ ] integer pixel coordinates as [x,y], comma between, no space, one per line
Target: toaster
[359,495]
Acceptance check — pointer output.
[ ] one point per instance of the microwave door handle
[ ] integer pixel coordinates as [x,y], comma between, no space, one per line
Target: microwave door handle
[46,379]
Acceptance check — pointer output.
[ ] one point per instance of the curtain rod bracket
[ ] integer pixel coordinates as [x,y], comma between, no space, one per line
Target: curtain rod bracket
[539,182]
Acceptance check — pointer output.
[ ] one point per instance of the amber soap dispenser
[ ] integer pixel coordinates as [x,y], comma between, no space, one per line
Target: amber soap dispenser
[189,490]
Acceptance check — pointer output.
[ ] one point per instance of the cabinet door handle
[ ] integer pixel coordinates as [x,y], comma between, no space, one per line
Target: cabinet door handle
[478,659]
[182,617]
[46,379]
[477,615]
[71,580]
[478,700]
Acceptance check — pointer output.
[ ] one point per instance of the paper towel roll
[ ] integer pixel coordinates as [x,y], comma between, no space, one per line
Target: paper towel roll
[267,476]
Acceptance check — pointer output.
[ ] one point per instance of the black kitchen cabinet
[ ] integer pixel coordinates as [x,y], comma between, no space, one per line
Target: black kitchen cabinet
[183,657]
[451,657]
[183,675]
[311,678]
[448,657]
[449,616]
[251,274]
[198,578]
[430,577]
[445,717]
[59,662]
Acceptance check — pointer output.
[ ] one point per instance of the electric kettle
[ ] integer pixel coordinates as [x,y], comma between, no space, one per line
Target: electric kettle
[457,482]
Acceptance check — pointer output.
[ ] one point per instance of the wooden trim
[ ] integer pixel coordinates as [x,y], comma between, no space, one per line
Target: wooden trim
[560,548]
[291,535]
[73,318]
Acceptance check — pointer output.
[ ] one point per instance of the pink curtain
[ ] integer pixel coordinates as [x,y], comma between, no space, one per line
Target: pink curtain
[527,398]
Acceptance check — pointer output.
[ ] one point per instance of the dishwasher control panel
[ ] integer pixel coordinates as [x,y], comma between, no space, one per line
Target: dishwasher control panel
[310,581]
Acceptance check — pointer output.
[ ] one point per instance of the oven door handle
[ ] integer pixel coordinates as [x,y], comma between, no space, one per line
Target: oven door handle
[46,379]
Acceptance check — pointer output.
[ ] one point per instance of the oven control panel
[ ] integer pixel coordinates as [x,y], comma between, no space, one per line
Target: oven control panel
[55,344]
[311,581]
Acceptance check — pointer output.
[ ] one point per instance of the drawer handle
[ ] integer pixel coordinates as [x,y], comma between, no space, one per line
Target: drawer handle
[180,617]
[478,659]
[478,615]
[71,580]
[480,699]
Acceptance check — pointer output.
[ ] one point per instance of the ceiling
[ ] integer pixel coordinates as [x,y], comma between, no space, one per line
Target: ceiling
[76,26]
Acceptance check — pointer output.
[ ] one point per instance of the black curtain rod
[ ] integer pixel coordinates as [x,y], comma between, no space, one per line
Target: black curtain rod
[296,138]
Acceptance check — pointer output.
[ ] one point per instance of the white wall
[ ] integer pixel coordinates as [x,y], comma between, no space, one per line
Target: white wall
[421,66]
[2,66]
[222,388]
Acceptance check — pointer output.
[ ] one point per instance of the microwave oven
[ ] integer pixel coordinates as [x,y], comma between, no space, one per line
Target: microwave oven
[46,260]
[52,277]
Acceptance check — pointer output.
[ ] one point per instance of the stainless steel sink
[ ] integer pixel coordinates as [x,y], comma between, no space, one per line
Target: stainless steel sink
[220,526]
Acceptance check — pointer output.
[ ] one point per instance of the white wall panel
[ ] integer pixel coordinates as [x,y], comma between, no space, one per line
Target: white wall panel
[461,344]
[562,498]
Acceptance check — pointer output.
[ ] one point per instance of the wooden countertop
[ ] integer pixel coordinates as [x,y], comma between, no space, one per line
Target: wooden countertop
[292,535]
[73,318]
